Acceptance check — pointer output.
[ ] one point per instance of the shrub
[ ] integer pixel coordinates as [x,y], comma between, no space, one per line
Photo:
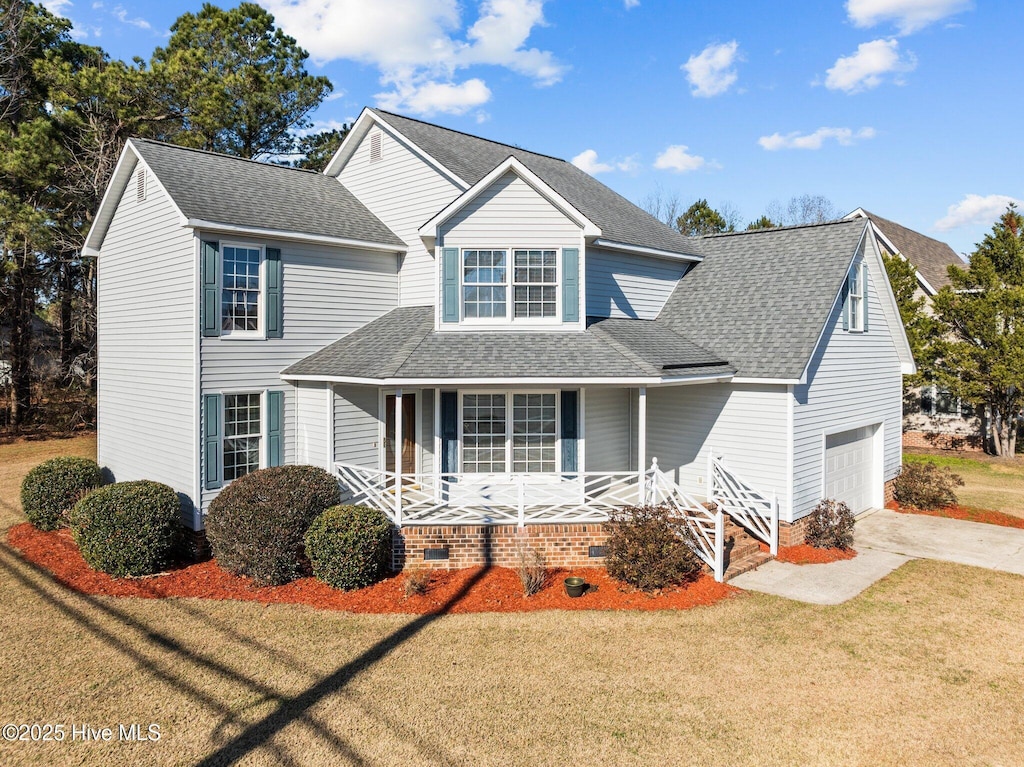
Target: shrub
[530,567]
[924,485]
[830,526]
[417,582]
[128,528]
[648,547]
[52,488]
[255,526]
[349,546]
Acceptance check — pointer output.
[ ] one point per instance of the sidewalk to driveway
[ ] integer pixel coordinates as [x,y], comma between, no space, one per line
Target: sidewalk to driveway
[885,540]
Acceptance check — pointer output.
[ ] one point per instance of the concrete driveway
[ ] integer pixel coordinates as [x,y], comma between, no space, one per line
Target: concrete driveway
[885,540]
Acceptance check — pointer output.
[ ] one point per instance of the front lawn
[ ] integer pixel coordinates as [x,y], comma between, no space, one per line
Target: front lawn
[925,668]
[989,483]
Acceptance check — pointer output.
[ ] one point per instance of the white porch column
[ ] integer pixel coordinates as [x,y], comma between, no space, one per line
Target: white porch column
[641,438]
[398,457]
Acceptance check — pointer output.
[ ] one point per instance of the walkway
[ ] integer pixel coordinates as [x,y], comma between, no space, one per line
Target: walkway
[885,540]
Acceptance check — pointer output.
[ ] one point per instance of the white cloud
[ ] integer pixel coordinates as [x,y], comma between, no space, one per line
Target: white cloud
[975,209]
[676,158]
[843,136]
[420,45]
[630,4]
[335,95]
[587,162]
[908,15]
[711,71]
[430,97]
[122,15]
[57,7]
[865,68]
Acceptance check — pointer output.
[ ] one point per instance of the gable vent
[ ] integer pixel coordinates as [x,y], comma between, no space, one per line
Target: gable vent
[140,184]
[375,146]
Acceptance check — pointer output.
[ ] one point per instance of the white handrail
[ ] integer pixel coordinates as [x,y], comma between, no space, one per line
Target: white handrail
[707,528]
[756,511]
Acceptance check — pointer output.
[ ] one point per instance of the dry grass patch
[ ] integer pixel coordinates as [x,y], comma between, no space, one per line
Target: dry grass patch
[925,668]
[989,482]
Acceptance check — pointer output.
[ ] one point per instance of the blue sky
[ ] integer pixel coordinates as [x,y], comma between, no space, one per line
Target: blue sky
[908,108]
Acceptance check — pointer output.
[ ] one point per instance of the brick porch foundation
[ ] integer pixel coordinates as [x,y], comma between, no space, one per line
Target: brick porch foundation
[468,545]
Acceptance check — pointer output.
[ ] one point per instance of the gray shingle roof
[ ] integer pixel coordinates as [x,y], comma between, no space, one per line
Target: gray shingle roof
[929,256]
[230,190]
[403,344]
[471,158]
[761,299]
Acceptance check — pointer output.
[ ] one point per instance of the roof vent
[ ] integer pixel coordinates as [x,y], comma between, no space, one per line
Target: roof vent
[140,184]
[375,146]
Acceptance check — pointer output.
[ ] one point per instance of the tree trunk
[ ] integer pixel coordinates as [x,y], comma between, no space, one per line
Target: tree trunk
[66,294]
[22,309]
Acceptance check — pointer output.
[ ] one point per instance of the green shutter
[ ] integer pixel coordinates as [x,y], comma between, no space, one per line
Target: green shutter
[570,431]
[275,428]
[570,285]
[845,297]
[211,441]
[450,285]
[449,432]
[210,309]
[275,294]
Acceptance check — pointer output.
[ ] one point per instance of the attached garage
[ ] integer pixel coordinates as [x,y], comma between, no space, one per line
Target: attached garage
[850,468]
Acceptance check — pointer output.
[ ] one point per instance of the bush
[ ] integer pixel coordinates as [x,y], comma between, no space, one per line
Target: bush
[349,546]
[924,485]
[648,547]
[417,582]
[52,488]
[530,567]
[830,526]
[128,528]
[255,526]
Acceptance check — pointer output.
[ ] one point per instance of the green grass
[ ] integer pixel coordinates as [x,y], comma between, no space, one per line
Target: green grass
[989,483]
[924,668]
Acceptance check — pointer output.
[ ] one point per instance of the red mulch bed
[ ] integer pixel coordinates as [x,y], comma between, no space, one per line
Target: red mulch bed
[968,513]
[471,590]
[805,554]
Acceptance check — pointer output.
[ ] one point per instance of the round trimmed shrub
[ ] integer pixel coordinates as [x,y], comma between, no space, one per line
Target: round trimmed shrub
[52,488]
[256,525]
[128,528]
[648,547]
[349,546]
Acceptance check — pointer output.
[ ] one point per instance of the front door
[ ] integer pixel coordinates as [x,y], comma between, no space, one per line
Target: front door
[408,433]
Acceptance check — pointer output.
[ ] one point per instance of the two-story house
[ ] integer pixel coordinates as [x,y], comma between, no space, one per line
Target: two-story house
[486,343]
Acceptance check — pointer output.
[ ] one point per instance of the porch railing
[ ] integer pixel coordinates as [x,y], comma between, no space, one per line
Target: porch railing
[758,512]
[523,499]
[707,528]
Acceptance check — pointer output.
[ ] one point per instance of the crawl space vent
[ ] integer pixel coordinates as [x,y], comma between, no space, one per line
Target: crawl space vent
[435,554]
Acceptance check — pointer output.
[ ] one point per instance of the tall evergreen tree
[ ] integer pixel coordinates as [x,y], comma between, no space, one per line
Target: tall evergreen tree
[980,353]
[700,219]
[920,326]
[236,83]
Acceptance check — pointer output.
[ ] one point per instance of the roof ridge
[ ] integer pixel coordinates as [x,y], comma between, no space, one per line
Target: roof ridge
[222,155]
[769,229]
[406,349]
[470,135]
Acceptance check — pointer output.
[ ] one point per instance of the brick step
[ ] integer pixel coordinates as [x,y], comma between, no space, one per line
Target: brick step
[742,550]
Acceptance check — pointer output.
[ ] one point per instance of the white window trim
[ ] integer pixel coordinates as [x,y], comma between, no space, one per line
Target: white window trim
[933,389]
[263,452]
[858,317]
[261,298]
[510,319]
[508,431]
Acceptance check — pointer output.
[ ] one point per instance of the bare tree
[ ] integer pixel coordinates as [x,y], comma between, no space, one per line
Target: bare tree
[665,206]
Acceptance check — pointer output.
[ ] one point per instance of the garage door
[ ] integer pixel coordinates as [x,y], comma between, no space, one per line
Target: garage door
[849,467]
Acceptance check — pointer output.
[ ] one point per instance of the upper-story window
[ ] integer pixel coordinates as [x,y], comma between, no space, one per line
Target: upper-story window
[487,282]
[856,299]
[241,289]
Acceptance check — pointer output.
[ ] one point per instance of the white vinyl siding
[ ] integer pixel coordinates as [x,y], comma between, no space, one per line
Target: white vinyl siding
[426,435]
[853,380]
[328,293]
[313,427]
[629,286]
[403,191]
[146,333]
[606,421]
[745,424]
[356,425]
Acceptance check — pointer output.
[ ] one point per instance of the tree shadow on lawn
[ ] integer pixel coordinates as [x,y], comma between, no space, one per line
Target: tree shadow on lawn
[289,709]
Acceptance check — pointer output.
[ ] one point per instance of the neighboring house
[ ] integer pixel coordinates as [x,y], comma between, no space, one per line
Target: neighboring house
[522,345]
[932,415]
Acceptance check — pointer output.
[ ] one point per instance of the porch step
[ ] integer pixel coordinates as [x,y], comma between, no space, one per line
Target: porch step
[742,550]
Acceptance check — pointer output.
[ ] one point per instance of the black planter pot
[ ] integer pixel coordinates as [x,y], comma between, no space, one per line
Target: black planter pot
[575,586]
